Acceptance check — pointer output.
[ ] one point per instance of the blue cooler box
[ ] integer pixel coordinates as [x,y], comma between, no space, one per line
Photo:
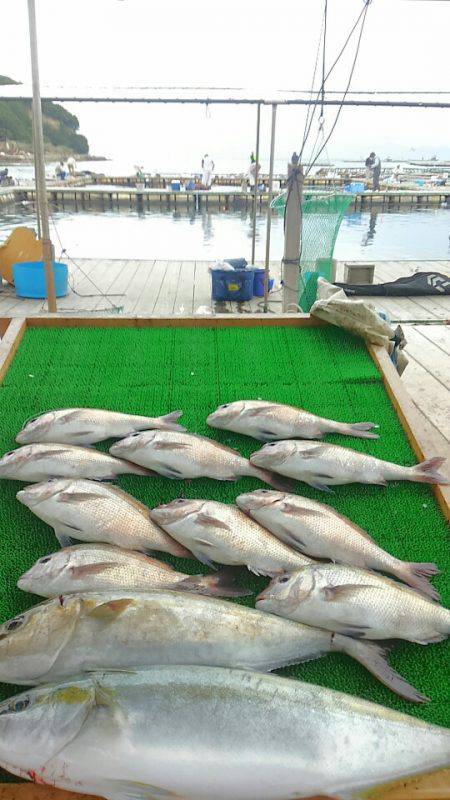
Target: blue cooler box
[29,279]
[232,285]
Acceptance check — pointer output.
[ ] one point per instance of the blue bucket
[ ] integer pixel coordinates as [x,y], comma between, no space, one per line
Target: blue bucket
[354,188]
[29,279]
[258,283]
[232,285]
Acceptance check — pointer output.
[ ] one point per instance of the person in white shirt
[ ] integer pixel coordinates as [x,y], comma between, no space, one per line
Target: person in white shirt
[207,170]
[71,165]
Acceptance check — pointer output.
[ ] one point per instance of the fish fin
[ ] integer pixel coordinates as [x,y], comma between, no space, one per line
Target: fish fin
[417,576]
[317,484]
[373,658]
[332,593]
[64,539]
[90,569]
[271,478]
[47,454]
[255,412]
[218,585]
[170,472]
[110,610]
[313,452]
[208,521]
[435,639]
[170,446]
[362,430]
[169,421]
[200,556]
[427,472]
[70,415]
[353,631]
[133,790]
[290,508]
[78,497]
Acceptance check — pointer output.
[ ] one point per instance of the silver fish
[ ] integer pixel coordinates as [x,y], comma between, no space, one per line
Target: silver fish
[221,533]
[357,603]
[95,512]
[318,531]
[116,630]
[186,455]
[104,568]
[265,421]
[322,465]
[90,425]
[38,462]
[197,733]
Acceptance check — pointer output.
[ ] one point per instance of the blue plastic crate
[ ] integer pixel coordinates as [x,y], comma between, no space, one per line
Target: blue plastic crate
[228,285]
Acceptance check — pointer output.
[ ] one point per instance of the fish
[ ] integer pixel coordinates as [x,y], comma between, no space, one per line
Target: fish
[104,568]
[318,531]
[355,602]
[94,512]
[266,421]
[323,465]
[38,462]
[177,732]
[119,630]
[221,533]
[90,425]
[186,455]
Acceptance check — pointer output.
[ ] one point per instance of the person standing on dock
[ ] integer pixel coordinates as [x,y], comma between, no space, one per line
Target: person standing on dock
[71,165]
[207,170]
[376,171]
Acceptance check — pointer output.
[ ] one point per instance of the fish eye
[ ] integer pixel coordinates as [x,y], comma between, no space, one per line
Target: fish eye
[181,500]
[17,707]
[44,560]
[272,444]
[10,453]
[225,405]
[13,624]
[284,579]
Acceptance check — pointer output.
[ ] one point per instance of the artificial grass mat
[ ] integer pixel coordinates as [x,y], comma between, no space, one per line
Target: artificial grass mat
[154,371]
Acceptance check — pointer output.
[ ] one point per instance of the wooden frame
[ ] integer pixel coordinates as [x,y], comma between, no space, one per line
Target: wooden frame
[430,786]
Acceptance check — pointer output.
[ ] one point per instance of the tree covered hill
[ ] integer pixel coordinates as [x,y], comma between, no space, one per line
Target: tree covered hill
[60,127]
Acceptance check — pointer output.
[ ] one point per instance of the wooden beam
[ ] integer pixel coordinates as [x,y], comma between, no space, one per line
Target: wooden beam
[10,342]
[207,321]
[420,433]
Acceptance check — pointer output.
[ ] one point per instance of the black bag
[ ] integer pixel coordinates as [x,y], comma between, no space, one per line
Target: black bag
[414,285]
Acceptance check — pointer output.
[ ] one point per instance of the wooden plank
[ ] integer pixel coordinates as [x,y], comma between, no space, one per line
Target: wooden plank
[438,334]
[138,288]
[431,357]
[118,282]
[202,288]
[184,300]
[146,304]
[430,396]
[168,289]
[10,342]
[421,435]
[215,321]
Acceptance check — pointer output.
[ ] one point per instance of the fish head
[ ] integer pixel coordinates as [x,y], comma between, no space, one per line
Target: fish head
[36,493]
[37,724]
[46,570]
[32,640]
[36,428]
[14,459]
[133,443]
[273,454]
[175,511]
[252,501]
[225,414]
[285,592]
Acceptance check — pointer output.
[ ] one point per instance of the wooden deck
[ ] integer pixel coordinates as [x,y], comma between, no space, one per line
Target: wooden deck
[165,288]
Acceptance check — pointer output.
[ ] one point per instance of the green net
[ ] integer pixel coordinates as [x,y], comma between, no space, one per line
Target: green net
[322,215]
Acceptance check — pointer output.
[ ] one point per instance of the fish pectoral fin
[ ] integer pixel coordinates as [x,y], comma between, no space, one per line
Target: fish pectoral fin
[332,593]
[110,610]
[79,497]
[170,446]
[90,569]
[49,454]
[298,511]
[170,472]
[134,790]
[433,639]
[70,416]
[314,452]
[208,521]
[64,539]
[255,412]
[316,483]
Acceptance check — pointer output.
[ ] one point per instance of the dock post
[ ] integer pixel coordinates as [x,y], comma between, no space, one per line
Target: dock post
[255,188]
[41,191]
[290,265]
[269,207]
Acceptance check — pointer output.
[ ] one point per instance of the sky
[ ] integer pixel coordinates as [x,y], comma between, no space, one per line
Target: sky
[251,44]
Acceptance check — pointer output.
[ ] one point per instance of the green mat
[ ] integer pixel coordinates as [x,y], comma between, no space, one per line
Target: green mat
[154,371]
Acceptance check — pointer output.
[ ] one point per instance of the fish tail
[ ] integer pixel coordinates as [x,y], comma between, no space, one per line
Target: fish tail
[135,469]
[417,575]
[427,472]
[373,658]
[360,430]
[168,422]
[220,584]
[276,481]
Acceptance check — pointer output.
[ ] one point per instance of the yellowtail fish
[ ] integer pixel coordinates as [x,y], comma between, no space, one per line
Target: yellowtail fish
[265,421]
[90,425]
[197,733]
[357,603]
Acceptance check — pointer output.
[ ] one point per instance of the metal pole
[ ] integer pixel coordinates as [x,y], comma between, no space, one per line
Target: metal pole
[255,190]
[269,206]
[41,191]
[292,236]
[38,213]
